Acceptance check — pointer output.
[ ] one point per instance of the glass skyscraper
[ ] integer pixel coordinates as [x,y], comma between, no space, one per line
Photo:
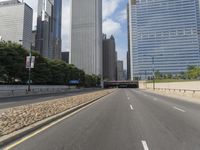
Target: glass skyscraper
[166,31]
[48,35]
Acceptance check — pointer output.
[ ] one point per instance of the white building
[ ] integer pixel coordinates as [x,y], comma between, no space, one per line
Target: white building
[16,22]
[86,35]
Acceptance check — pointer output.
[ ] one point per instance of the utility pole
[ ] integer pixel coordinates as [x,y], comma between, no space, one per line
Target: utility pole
[153,70]
[29,67]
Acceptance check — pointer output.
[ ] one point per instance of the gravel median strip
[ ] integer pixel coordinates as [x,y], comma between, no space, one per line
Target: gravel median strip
[17,118]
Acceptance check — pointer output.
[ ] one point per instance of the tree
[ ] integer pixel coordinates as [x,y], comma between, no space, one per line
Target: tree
[158,74]
[14,64]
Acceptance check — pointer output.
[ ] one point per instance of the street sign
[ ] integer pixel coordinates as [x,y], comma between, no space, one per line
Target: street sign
[30,62]
[74,82]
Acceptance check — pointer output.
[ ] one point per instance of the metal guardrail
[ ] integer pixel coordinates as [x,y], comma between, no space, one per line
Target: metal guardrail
[17,92]
[178,90]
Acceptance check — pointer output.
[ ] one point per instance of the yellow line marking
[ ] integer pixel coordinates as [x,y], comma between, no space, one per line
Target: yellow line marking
[46,127]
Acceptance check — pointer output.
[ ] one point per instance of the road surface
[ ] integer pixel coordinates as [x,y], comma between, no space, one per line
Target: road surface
[23,100]
[127,119]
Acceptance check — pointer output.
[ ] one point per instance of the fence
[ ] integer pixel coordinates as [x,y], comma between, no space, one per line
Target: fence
[187,92]
[34,91]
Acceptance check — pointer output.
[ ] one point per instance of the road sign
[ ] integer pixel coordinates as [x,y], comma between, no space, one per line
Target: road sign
[30,62]
[74,82]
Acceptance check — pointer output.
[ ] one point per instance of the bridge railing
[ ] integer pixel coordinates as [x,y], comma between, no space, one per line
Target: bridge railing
[35,91]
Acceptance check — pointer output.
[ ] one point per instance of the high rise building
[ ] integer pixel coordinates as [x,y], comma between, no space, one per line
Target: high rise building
[109,59]
[120,70]
[16,22]
[65,57]
[48,36]
[165,32]
[86,35]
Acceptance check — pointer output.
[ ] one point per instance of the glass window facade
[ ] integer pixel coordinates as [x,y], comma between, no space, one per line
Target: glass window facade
[167,30]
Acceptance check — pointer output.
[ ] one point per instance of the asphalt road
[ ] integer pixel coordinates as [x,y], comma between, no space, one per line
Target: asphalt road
[23,100]
[124,120]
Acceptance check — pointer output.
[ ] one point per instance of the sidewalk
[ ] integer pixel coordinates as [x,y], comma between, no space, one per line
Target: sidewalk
[180,96]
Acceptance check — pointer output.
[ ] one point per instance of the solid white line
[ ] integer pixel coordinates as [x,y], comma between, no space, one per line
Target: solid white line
[179,109]
[131,107]
[145,146]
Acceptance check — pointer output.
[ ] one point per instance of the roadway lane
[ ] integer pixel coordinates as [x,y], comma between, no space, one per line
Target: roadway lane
[125,120]
[23,100]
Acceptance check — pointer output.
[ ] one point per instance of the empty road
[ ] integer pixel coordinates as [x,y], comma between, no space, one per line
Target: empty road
[127,119]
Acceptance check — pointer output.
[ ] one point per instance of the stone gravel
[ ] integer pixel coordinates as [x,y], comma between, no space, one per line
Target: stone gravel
[17,118]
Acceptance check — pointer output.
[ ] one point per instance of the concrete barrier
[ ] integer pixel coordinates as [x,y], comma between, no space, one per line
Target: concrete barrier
[21,90]
[188,88]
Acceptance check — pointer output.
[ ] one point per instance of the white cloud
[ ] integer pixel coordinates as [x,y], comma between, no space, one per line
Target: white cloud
[111,27]
[122,15]
[109,7]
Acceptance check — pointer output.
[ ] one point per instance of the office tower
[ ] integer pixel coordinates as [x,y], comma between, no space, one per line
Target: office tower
[120,70]
[65,56]
[109,59]
[86,35]
[48,36]
[16,22]
[164,36]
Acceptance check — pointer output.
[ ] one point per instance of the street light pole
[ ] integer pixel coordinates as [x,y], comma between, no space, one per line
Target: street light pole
[29,69]
[153,68]
[153,71]
[29,72]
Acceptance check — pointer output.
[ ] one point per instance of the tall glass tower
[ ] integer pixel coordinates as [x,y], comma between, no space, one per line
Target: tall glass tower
[48,34]
[166,31]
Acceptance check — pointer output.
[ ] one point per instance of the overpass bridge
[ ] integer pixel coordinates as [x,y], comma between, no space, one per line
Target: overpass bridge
[121,84]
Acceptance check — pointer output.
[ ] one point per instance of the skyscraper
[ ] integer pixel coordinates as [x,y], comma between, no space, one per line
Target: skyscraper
[86,35]
[48,36]
[120,70]
[109,59]
[16,22]
[164,32]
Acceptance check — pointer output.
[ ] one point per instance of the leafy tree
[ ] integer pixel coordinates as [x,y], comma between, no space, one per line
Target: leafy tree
[158,74]
[12,60]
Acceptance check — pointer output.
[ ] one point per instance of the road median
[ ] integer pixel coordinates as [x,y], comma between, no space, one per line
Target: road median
[19,121]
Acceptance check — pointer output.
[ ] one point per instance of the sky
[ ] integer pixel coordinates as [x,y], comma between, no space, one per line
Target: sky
[114,23]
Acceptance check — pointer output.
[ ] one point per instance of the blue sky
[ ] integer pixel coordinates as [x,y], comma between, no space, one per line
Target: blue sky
[114,23]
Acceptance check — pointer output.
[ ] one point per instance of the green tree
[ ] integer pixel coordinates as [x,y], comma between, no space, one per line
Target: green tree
[12,61]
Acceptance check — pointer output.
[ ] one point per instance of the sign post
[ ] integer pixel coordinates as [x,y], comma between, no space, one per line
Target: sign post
[30,62]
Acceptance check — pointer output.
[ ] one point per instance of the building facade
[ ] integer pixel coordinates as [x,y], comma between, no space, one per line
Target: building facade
[86,35]
[109,59]
[164,36]
[65,57]
[48,36]
[16,22]
[120,70]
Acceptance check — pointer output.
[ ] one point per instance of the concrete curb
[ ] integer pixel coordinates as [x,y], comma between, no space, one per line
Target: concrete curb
[7,139]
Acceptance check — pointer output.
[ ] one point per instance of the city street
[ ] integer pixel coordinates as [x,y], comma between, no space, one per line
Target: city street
[128,119]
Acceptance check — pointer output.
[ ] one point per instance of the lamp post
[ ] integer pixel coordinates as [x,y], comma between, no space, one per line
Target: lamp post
[153,68]
[29,68]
